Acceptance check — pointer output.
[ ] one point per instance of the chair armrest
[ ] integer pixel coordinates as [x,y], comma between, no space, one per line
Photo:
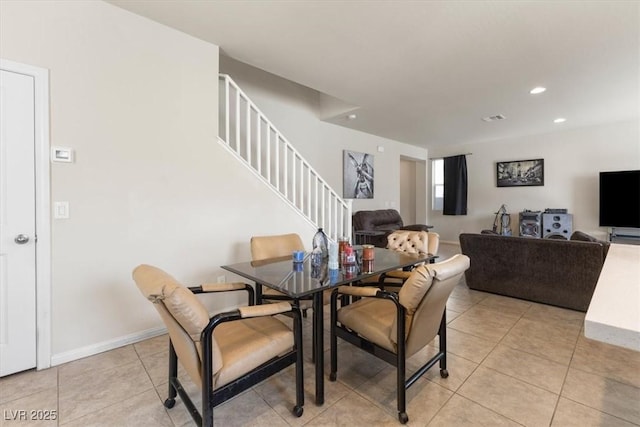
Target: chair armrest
[398,274]
[206,288]
[218,287]
[264,310]
[247,312]
[358,291]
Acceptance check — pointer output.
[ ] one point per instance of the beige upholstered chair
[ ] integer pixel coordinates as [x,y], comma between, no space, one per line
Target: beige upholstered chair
[414,241]
[275,246]
[225,354]
[408,241]
[394,327]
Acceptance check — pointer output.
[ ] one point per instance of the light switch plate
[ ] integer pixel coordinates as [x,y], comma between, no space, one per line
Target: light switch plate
[61,210]
[62,154]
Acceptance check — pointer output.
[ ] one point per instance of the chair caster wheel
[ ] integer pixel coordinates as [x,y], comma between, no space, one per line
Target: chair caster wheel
[444,373]
[403,417]
[298,410]
[333,376]
[169,403]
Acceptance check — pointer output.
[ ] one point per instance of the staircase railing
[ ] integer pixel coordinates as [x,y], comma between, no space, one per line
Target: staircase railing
[247,133]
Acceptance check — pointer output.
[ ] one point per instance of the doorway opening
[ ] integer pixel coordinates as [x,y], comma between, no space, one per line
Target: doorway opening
[413,190]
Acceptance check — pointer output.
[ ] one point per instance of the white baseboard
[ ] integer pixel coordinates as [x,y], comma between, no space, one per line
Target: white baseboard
[90,350]
[447,242]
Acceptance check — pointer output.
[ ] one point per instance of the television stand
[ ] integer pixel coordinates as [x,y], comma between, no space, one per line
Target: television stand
[627,236]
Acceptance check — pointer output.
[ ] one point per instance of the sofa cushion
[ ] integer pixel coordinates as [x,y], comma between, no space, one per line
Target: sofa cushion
[584,237]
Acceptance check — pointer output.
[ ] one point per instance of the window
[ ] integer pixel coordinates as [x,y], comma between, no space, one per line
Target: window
[437,184]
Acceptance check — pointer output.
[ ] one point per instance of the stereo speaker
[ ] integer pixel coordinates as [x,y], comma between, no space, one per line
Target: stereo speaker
[557,226]
[531,224]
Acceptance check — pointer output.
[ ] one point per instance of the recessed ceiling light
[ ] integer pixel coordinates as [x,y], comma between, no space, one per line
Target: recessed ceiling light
[560,120]
[352,117]
[537,90]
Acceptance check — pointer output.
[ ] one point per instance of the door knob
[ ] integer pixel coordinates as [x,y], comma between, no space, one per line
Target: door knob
[21,239]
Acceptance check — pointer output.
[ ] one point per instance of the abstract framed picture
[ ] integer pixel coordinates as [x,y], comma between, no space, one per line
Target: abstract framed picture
[520,173]
[357,175]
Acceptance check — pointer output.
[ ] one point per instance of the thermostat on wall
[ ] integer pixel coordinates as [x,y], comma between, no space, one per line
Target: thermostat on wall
[62,154]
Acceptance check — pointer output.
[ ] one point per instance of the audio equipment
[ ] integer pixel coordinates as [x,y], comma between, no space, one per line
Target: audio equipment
[531,223]
[556,211]
[502,221]
[557,225]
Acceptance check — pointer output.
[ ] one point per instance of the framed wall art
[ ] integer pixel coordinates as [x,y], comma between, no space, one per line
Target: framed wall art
[520,173]
[357,175]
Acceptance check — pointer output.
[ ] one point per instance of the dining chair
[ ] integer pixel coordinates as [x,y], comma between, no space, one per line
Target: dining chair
[395,326]
[275,246]
[408,241]
[225,354]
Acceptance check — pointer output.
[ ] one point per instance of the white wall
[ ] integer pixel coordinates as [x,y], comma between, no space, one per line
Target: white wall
[572,161]
[137,101]
[294,110]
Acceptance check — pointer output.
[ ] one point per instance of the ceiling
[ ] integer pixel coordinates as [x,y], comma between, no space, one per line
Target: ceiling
[427,72]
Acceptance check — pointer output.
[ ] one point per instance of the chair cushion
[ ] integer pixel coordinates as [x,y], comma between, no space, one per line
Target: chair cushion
[183,314]
[248,343]
[415,288]
[408,241]
[183,305]
[410,296]
[372,318]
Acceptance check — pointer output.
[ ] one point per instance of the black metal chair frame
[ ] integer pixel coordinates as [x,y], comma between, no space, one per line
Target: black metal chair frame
[212,398]
[396,359]
[260,298]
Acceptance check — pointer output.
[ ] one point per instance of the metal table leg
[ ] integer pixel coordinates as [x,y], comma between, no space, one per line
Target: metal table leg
[319,345]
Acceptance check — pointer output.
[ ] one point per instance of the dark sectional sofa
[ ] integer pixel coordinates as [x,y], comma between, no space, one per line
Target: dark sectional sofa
[563,273]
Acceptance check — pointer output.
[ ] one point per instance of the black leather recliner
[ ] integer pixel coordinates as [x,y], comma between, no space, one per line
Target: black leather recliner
[384,220]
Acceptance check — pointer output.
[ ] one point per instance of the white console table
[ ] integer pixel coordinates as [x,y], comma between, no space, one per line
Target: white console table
[613,315]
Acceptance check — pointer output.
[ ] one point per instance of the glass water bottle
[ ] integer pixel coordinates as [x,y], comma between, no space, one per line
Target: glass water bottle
[320,241]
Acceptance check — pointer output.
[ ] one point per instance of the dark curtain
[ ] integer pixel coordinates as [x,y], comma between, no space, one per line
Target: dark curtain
[455,185]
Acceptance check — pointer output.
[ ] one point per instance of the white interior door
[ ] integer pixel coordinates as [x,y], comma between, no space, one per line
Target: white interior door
[17,223]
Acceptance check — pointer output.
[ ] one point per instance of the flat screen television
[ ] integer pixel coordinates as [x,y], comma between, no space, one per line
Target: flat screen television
[620,199]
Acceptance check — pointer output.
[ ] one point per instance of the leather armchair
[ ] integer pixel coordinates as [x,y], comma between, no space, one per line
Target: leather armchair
[394,327]
[225,354]
[276,246]
[413,242]
[383,220]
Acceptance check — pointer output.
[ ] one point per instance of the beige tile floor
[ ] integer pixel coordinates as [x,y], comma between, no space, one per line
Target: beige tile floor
[511,363]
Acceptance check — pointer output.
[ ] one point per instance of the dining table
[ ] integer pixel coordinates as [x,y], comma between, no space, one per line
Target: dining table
[300,280]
